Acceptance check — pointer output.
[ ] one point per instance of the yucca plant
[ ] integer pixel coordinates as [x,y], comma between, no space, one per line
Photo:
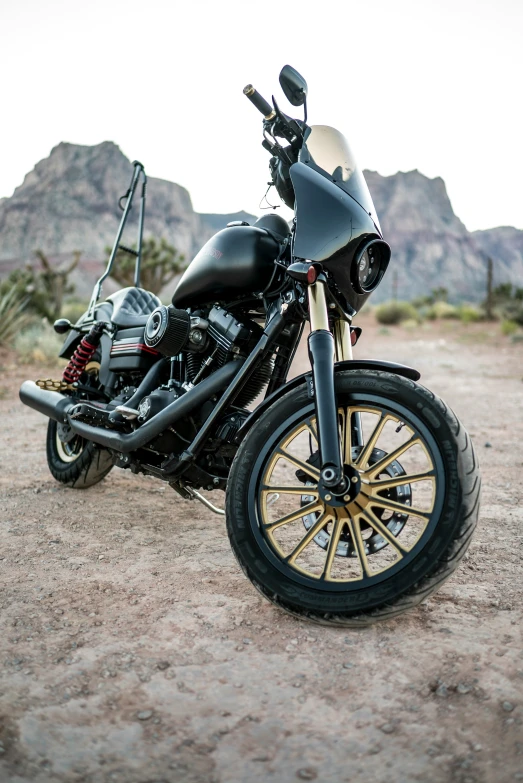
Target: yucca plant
[12,316]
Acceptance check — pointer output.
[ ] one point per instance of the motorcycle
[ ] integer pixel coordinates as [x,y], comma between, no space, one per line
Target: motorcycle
[351,491]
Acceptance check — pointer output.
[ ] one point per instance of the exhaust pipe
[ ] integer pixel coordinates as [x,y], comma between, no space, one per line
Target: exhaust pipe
[52,404]
[55,406]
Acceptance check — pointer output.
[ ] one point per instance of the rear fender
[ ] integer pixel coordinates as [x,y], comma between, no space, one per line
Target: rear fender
[353,364]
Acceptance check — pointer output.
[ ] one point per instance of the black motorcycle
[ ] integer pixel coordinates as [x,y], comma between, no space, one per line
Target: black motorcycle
[351,491]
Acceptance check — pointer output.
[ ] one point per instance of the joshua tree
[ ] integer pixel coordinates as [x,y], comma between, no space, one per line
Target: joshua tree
[160,263]
[43,291]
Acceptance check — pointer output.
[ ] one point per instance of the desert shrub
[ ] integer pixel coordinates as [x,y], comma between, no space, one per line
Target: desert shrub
[393,313]
[507,302]
[509,327]
[73,309]
[39,343]
[13,317]
[43,289]
[441,310]
[160,263]
[469,313]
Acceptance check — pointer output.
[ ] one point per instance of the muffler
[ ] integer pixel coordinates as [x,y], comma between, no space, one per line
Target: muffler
[52,404]
[55,406]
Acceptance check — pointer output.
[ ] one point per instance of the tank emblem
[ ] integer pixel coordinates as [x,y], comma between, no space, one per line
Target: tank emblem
[214,252]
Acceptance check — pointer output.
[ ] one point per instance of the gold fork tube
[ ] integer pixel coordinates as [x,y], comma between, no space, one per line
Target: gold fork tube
[342,341]
[318,312]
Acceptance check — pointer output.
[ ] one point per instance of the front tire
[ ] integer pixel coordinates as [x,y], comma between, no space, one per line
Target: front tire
[77,462]
[402,532]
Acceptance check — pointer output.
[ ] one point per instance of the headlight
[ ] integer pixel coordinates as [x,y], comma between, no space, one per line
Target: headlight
[369,265]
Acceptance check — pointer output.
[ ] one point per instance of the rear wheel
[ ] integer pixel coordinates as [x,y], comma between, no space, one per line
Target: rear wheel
[72,460]
[400,531]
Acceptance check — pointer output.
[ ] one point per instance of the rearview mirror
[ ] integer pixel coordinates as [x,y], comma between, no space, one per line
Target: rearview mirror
[293,85]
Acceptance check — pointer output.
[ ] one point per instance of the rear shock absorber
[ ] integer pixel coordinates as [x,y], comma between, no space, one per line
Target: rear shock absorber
[84,353]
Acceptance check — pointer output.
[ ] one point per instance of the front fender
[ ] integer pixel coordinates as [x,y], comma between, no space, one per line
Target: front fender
[352,364]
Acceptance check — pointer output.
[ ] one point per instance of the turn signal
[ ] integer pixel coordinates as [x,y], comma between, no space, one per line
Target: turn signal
[312,274]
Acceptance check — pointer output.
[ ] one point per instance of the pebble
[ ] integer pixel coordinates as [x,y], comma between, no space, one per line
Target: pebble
[508,706]
[144,714]
[307,773]
[463,688]
[348,665]
[387,728]
[163,665]
[488,445]
[442,690]
[100,557]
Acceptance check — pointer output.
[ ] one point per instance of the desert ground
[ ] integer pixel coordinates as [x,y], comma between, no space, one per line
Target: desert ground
[134,650]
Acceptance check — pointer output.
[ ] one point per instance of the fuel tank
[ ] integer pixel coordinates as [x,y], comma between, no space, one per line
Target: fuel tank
[237,261]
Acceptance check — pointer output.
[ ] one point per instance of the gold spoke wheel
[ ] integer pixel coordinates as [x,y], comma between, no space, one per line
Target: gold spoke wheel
[375,530]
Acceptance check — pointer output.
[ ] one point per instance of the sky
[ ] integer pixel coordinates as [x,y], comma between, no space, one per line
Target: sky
[433,85]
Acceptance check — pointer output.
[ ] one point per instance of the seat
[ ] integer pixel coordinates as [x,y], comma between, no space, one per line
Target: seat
[132,306]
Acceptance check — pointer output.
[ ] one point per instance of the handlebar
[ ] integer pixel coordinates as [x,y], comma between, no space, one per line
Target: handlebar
[257,100]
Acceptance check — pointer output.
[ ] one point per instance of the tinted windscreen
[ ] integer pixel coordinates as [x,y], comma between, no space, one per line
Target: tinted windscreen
[328,151]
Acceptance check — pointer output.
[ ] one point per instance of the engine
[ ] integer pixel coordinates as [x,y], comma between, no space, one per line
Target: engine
[207,342]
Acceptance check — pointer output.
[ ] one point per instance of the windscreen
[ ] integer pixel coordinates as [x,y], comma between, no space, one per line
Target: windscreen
[328,151]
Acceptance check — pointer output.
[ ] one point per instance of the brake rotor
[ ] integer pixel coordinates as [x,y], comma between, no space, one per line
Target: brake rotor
[394,521]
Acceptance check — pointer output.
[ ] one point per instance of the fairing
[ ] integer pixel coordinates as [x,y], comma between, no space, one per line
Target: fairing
[335,215]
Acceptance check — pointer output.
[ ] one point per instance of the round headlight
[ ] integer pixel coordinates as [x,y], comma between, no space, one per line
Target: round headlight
[369,265]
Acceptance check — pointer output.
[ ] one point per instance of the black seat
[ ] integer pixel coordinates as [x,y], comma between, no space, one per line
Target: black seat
[132,306]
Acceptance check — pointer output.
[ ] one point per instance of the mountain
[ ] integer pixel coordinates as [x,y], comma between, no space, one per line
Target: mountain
[431,246]
[69,200]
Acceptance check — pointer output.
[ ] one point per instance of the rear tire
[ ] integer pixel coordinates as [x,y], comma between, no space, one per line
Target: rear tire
[78,463]
[398,568]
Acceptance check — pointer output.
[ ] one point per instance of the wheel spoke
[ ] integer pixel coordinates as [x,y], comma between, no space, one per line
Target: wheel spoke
[383,530]
[369,446]
[346,435]
[392,505]
[333,545]
[294,515]
[314,530]
[399,481]
[302,489]
[359,546]
[305,466]
[383,463]
[313,429]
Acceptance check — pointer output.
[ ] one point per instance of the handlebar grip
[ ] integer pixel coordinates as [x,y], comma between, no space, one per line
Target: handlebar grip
[260,103]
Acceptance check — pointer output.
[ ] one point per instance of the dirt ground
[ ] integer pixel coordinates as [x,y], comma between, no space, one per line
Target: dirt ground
[133,649]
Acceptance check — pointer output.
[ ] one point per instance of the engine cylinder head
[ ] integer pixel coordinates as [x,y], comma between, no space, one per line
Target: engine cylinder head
[167,330]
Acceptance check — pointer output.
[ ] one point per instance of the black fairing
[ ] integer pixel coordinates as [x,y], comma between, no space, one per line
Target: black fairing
[330,227]
[235,261]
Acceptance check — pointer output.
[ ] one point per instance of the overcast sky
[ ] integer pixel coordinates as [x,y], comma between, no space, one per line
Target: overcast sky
[434,85]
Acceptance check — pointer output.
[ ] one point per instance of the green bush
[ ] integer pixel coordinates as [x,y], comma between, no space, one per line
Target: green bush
[509,327]
[393,313]
[469,313]
[73,309]
[12,316]
[39,343]
[441,310]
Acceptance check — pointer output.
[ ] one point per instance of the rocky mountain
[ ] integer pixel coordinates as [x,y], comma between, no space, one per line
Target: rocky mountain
[430,245]
[69,202]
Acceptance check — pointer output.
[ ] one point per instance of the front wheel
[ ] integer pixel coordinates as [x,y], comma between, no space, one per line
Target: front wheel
[393,539]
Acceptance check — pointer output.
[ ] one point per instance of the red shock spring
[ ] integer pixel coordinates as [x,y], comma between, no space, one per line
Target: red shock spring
[84,352]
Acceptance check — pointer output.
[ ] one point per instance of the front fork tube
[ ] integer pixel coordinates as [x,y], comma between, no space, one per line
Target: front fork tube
[321,355]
